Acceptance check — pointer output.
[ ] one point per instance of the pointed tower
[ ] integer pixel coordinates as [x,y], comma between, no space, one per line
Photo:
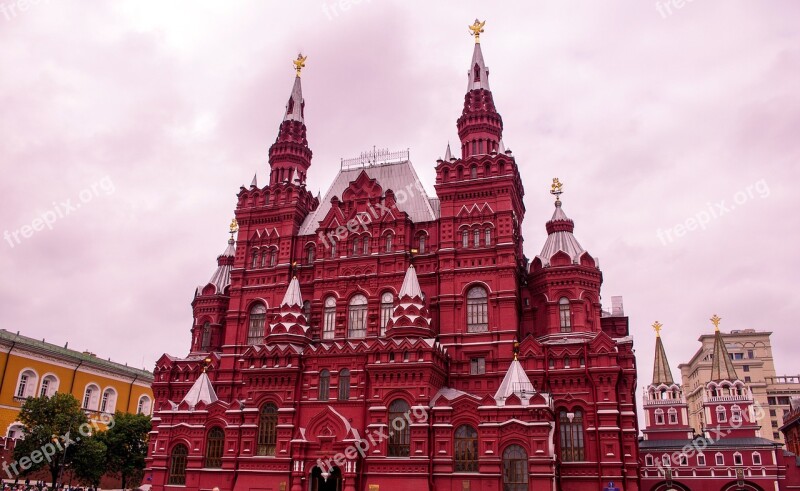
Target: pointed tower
[564,280]
[665,407]
[291,325]
[728,405]
[410,318]
[290,152]
[480,127]
[211,301]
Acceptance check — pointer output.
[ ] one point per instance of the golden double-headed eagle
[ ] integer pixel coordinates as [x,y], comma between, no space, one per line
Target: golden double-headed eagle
[299,63]
[476,29]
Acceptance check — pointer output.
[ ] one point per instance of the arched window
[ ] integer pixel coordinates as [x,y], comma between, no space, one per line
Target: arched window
[255,332]
[357,317]
[648,460]
[476,70]
[254,262]
[476,238]
[264,257]
[205,343]
[487,237]
[344,385]
[564,315]
[144,405]
[719,459]
[329,318]
[466,449]
[177,465]
[659,416]
[356,245]
[109,401]
[333,249]
[737,459]
[736,414]
[307,310]
[473,172]
[26,386]
[214,445]
[324,385]
[310,251]
[387,309]
[756,458]
[366,246]
[673,416]
[388,242]
[90,396]
[572,444]
[477,310]
[273,257]
[16,432]
[721,416]
[267,430]
[515,469]
[465,238]
[49,386]
[422,243]
[399,431]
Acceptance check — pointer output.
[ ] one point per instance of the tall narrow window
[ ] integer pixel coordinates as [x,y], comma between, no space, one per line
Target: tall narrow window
[515,469]
[324,385]
[721,416]
[399,431]
[307,310]
[267,430]
[22,387]
[333,249]
[255,331]
[465,238]
[487,237]
[473,172]
[477,366]
[45,388]
[565,318]
[476,70]
[49,386]
[355,246]
[476,237]
[387,308]
[572,443]
[254,262]
[214,445]
[344,385]
[109,401]
[421,248]
[177,465]
[329,318]
[672,414]
[388,242]
[366,246]
[310,251]
[264,258]
[477,310]
[206,339]
[466,449]
[90,397]
[357,317]
[273,257]
[144,405]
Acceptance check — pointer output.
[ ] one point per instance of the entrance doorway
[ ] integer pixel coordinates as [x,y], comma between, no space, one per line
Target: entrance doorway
[320,483]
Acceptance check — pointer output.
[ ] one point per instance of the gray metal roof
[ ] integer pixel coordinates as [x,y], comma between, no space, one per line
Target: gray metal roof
[201,390]
[296,100]
[560,240]
[482,81]
[707,443]
[397,176]
[222,276]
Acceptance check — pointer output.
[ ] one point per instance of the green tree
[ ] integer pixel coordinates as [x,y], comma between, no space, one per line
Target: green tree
[89,460]
[126,441]
[52,426]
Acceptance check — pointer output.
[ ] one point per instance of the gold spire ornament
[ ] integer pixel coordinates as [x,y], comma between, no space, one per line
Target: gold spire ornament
[516,350]
[299,63]
[555,189]
[715,320]
[657,326]
[234,227]
[476,29]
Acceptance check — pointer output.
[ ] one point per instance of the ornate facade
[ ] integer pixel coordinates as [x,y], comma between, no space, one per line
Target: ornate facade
[380,338]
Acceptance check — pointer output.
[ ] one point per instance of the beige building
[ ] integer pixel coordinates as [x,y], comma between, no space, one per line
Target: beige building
[751,353]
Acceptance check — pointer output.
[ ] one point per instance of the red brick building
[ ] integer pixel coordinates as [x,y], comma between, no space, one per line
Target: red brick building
[383,339]
[729,455]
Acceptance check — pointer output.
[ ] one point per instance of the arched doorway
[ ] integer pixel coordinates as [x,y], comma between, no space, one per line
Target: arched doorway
[330,481]
[673,486]
[745,486]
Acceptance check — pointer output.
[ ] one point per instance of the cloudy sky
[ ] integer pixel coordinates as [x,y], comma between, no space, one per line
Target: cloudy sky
[129,127]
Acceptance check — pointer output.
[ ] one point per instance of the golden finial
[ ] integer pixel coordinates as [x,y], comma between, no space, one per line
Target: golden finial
[476,30]
[715,320]
[555,189]
[516,350]
[234,227]
[207,364]
[299,63]
[657,328]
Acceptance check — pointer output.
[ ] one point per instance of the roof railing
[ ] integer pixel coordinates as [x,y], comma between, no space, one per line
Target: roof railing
[376,156]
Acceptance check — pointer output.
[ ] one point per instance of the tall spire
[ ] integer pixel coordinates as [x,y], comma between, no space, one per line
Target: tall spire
[290,151]
[448,155]
[721,365]
[661,371]
[480,127]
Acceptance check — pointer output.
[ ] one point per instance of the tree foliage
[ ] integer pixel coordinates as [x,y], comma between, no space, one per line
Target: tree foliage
[89,461]
[127,445]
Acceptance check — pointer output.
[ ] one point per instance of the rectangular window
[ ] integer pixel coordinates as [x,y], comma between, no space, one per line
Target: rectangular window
[751,354]
[737,459]
[23,383]
[329,322]
[358,321]
[422,244]
[477,366]
[387,308]
[720,459]
[756,459]
[684,460]
[701,459]
[747,379]
[745,368]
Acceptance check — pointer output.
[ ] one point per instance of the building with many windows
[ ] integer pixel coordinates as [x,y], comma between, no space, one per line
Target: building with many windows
[729,452]
[33,368]
[751,353]
[380,338]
